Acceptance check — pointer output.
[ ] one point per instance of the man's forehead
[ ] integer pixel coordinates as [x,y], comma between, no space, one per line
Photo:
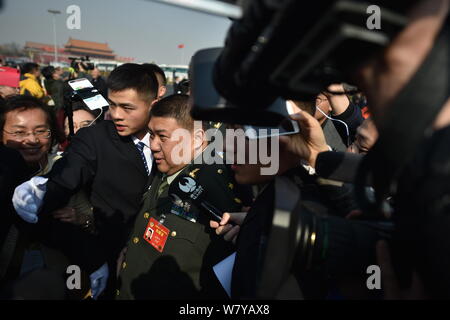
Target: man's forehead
[126,96]
[26,118]
[130,92]
[163,123]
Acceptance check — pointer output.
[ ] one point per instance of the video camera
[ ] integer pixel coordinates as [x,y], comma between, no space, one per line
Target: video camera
[289,50]
[83,61]
[284,49]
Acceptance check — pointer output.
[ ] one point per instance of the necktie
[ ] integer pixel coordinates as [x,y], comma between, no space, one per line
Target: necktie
[163,186]
[140,146]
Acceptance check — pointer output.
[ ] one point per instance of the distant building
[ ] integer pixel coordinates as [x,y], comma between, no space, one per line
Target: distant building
[41,47]
[75,47]
[99,53]
[42,52]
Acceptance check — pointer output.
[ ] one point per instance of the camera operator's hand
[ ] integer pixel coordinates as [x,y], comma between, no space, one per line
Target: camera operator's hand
[309,142]
[392,290]
[229,231]
[383,77]
[337,98]
[81,67]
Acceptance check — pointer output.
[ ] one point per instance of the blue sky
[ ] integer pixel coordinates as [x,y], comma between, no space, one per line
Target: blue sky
[142,29]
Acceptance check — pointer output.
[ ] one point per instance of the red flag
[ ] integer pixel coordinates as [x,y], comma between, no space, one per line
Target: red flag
[180,46]
[9,77]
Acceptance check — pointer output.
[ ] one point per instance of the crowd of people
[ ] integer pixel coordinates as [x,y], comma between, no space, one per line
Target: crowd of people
[115,199]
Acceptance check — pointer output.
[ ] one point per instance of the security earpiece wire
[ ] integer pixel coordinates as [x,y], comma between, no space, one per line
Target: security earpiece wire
[346,126]
[93,121]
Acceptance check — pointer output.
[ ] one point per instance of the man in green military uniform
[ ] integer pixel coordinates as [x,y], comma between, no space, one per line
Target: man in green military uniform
[172,249]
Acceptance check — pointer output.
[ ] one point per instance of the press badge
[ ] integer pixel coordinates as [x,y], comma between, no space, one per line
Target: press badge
[156,234]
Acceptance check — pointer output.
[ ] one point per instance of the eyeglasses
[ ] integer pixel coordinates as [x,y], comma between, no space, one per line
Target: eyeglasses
[43,133]
[79,125]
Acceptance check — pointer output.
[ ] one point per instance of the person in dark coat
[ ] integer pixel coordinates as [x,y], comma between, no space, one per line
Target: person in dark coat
[113,161]
[54,86]
[99,82]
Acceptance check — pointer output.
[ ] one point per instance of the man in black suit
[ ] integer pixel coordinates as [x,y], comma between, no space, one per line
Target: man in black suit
[113,161]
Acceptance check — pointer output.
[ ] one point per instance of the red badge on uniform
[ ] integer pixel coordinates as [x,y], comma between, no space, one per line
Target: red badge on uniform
[156,234]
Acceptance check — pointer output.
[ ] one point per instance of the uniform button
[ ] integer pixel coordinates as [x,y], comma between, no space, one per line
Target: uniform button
[117,292]
[219,171]
[146,215]
[237,200]
[173,234]
[230,185]
[135,240]
[124,265]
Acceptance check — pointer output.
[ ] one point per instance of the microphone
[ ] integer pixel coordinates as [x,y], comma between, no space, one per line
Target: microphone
[187,191]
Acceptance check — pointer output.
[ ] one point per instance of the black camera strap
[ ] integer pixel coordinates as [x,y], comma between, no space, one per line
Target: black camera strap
[406,124]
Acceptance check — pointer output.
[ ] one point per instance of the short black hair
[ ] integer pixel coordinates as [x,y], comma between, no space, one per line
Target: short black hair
[48,72]
[134,76]
[175,106]
[79,105]
[21,102]
[29,67]
[156,70]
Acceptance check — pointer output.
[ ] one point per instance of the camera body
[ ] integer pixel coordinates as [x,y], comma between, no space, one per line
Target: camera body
[84,61]
[291,51]
[284,49]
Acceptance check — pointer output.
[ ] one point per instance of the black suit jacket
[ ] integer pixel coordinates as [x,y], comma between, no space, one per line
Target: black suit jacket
[110,168]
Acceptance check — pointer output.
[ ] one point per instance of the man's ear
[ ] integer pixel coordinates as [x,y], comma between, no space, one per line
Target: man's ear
[161,91]
[154,101]
[199,138]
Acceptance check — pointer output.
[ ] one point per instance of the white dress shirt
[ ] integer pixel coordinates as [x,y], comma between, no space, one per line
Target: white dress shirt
[147,152]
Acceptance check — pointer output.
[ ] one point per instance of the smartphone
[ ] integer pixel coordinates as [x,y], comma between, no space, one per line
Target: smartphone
[92,98]
[286,127]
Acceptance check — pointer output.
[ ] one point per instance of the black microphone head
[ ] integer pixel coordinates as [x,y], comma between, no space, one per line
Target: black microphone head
[187,191]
